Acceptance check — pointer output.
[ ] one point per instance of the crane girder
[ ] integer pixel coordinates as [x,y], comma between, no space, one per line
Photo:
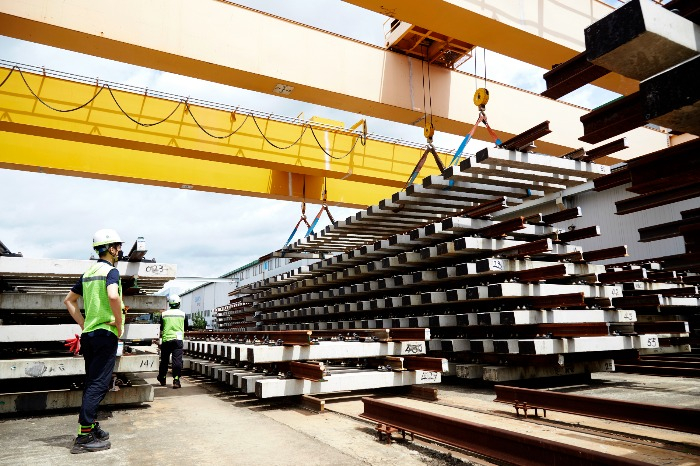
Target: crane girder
[193,38]
[100,140]
[544,33]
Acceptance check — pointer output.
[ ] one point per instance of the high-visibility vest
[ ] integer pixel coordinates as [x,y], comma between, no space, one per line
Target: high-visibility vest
[97,309]
[173,325]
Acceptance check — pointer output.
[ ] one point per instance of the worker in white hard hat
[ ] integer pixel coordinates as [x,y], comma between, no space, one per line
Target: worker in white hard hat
[173,325]
[101,290]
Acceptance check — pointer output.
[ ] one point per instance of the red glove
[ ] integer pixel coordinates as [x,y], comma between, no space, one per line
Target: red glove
[73,344]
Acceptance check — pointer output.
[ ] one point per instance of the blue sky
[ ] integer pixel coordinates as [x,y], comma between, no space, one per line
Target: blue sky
[205,234]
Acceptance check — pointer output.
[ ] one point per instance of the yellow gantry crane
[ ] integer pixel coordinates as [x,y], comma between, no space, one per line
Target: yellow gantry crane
[102,130]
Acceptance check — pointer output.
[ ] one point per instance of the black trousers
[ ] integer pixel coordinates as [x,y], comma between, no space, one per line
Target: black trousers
[99,348]
[168,348]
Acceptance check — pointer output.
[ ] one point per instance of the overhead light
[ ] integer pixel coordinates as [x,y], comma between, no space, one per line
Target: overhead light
[186,186]
[283,89]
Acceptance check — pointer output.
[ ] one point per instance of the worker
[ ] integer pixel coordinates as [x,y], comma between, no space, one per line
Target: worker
[173,325]
[101,289]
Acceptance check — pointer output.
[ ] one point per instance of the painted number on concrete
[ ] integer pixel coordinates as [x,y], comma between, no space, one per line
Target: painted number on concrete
[414,349]
[156,269]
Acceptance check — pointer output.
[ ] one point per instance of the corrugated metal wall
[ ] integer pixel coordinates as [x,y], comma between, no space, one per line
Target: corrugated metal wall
[598,208]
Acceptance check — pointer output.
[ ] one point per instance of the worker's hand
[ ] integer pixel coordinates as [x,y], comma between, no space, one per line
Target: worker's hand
[73,344]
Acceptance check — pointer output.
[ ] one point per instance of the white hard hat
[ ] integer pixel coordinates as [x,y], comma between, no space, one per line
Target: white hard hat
[174,301]
[105,236]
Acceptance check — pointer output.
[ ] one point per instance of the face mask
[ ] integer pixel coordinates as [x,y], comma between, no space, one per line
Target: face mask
[115,257]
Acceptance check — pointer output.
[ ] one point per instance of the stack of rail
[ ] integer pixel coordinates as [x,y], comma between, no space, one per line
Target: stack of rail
[307,362]
[503,300]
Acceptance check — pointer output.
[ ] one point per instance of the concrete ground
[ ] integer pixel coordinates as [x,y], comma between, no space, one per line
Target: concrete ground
[206,423]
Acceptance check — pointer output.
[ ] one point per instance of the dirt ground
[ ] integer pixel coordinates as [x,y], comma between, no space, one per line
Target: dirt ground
[206,423]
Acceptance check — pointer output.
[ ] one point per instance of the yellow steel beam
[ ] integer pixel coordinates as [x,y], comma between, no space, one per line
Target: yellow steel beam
[44,154]
[543,33]
[184,144]
[193,38]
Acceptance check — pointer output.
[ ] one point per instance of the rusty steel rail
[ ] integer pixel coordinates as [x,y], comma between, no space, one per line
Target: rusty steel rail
[382,334]
[288,337]
[667,417]
[658,370]
[425,363]
[308,371]
[500,444]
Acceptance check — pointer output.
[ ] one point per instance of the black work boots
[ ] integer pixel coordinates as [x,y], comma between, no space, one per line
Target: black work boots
[161,380]
[99,433]
[176,383]
[89,442]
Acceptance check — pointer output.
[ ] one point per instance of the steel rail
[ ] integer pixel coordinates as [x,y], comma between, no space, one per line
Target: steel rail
[500,444]
[656,370]
[666,417]
[413,363]
[288,337]
[307,371]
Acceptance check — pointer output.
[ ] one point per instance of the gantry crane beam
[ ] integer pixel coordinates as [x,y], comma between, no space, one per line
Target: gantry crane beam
[544,33]
[194,38]
[102,140]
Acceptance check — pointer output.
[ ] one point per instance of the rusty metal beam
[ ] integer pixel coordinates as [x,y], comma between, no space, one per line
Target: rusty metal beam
[409,334]
[605,150]
[413,363]
[667,417]
[486,208]
[288,337]
[562,216]
[541,273]
[616,117]
[655,370]
[307,371]
[666,230]
[568,76]
[522,250]
[423,393]
[648,201]
[501,228]
[680,261]
[633,302]
[607,253]
[527,137]
[667,168]
[576,154]
[578,234]
[616,178]
[550,302]
[500,444]
[661,326]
